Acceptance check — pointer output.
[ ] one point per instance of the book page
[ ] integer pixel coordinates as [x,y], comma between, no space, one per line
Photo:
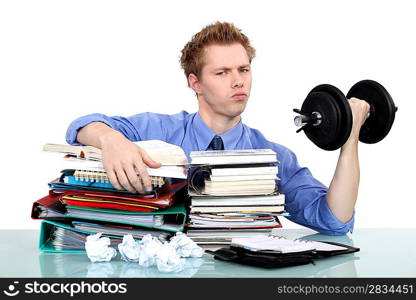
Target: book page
[165,153]
[283,245]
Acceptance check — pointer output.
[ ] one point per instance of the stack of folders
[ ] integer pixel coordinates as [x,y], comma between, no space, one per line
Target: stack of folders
[233,194]
[82,201]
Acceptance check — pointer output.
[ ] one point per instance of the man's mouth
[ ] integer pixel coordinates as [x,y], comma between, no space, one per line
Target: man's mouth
[239,96]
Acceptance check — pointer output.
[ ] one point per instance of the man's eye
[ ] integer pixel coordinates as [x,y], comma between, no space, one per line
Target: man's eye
[220,73]
[244,70]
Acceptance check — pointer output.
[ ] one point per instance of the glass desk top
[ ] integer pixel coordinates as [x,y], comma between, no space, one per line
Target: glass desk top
[384,253]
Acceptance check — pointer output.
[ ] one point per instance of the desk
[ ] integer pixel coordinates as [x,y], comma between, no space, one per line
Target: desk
[384,253]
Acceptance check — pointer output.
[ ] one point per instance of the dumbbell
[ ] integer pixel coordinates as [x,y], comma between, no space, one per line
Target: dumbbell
[326,116]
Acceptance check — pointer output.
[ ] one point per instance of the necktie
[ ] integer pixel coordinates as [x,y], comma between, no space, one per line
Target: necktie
[216,143]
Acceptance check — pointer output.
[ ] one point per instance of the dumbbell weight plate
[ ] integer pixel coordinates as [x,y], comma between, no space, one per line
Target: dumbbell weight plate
[382,112]
[329,135]
[344,116]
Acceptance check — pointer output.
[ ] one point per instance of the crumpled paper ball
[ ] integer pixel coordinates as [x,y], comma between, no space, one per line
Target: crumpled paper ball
[98,248]
[129,249]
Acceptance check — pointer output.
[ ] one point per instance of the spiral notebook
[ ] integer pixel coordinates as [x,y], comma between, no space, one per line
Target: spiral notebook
[98,179]
[282,245]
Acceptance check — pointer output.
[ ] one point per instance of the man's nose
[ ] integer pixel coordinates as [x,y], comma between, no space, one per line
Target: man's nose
[238,80]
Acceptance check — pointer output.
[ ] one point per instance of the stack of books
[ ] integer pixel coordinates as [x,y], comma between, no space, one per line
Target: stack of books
[82,201]
[233,194]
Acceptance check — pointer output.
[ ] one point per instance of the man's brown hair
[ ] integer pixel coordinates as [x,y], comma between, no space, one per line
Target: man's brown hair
[219,33]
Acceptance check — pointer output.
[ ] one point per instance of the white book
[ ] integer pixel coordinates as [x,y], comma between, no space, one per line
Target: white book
[197,222]
[226,233]
[272,170]
[239,190]
[266,191]
[238,184]
[263,200]
[216,209]
[243,177]
[224,157]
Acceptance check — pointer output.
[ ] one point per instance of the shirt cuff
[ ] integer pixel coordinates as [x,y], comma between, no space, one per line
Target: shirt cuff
[335,226]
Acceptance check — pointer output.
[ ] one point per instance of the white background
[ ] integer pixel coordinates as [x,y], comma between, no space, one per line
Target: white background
[63,59]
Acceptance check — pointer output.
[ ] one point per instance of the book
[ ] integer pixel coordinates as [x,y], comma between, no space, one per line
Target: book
[278,199]
[240,190]
[243,178]
[207,221]
[238,185]
[216,209]
[160,151]
[244,171]
[221,157]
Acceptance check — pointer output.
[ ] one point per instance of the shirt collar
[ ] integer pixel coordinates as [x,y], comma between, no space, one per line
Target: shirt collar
[204,134]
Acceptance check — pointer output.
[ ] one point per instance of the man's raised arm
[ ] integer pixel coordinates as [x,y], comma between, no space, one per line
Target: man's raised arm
[343,190]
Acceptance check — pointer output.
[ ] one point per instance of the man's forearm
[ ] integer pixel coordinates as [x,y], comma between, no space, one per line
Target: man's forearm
[343,190]
[94,133]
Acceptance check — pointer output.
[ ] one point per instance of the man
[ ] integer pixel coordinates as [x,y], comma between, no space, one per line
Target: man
[217,66]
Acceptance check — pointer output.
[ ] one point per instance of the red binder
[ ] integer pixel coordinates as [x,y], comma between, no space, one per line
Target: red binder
[55,201]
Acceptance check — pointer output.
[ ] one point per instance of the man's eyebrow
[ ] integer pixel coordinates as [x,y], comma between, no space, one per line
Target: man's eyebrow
[245,66]
[228,68]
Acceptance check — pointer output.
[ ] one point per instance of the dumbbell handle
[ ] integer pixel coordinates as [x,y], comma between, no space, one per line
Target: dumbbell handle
[372,111]
[314,118]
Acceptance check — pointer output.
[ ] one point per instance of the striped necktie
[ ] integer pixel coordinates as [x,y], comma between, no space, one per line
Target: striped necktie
[216,143]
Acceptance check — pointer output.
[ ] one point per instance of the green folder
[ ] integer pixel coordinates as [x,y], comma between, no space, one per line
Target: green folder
[45,244]
[177,212]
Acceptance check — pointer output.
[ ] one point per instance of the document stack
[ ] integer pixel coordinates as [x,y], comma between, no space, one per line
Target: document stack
[82,201]
[233,194]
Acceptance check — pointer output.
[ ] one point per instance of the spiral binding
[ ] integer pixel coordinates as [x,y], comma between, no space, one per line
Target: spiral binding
[101,177]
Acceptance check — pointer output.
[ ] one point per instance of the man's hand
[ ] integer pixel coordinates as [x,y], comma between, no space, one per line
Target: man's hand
[126,163]
[360,110]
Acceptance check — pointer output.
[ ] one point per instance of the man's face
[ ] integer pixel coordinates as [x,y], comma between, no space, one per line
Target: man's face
[225,80]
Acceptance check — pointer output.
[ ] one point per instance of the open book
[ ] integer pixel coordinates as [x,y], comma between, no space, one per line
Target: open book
[160,151]
[88,159]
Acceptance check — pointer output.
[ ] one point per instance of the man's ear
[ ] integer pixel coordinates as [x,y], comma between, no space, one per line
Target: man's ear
[194,84]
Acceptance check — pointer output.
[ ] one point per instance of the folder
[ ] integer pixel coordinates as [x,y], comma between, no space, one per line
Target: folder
[175,218]
[52,206]
[76,237]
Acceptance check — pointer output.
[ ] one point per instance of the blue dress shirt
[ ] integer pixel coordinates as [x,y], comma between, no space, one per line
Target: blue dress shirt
[305,196]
